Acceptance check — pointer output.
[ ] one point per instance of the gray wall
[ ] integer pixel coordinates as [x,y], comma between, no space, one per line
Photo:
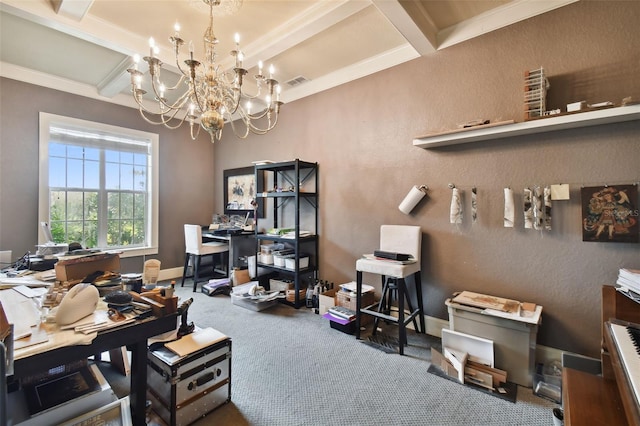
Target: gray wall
[186,169]
[361,134]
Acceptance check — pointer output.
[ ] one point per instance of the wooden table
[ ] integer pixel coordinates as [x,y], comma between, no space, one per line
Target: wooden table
[242,244]
[134,336]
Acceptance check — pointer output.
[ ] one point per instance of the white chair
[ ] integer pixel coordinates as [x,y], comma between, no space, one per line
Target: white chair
[396,239]
[196,249]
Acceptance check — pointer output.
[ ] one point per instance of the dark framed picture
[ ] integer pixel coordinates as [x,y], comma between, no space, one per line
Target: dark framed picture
[610,213]
[240,190]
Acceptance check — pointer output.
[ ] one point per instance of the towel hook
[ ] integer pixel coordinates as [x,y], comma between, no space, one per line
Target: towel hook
[452,185]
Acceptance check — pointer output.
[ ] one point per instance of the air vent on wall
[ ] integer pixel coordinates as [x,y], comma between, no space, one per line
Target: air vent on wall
[296,81]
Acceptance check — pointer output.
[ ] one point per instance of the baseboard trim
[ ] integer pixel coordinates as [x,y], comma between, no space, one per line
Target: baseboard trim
[170,274]
[544,354]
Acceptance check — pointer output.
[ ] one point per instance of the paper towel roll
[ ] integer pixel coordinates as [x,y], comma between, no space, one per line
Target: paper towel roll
[412,199]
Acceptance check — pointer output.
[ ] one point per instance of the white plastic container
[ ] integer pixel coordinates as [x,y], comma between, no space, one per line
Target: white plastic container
[265,258]
[290,262]
[278,260]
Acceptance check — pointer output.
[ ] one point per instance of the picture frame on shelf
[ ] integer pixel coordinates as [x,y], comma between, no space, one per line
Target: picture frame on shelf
[239,189]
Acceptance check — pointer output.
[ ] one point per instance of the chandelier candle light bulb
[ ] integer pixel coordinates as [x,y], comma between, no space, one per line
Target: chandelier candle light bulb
[211,96]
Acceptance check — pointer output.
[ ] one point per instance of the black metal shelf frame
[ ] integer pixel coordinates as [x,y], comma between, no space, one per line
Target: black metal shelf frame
[293,174]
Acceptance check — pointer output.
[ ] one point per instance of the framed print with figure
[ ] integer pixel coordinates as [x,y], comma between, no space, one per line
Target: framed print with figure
[239,188]
[610,213]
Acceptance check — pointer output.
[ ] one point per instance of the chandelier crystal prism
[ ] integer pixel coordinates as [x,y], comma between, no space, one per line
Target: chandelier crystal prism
[206,95]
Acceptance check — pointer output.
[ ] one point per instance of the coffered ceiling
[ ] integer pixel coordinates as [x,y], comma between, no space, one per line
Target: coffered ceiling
[85,46]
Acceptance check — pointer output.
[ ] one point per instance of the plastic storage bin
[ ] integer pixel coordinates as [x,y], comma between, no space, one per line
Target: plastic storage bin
[514,340]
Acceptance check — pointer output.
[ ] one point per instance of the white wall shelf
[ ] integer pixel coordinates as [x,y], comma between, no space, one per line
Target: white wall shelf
[510,129]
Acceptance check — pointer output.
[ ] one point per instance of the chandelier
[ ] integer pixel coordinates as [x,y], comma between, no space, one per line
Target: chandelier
[206,95]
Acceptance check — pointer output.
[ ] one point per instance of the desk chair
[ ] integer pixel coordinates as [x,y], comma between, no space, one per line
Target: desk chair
[196,249]
[398,239]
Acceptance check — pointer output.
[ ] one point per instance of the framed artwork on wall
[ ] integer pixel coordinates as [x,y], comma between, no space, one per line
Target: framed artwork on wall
[239,188]
[610,213]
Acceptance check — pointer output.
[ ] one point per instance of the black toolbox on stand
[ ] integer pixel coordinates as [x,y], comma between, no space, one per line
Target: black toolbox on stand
[184,389]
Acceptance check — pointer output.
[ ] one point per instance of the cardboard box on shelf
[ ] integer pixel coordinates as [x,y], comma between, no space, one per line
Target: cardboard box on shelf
[280,284]
[79,267]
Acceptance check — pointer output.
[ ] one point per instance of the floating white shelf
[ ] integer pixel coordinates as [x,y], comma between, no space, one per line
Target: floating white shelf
[511,129]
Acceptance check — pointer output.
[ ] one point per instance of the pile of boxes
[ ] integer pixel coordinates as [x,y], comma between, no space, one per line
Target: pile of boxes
[345,296]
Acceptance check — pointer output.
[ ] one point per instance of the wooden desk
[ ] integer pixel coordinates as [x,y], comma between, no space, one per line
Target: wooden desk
[134,336]
[243,244]
[588,399]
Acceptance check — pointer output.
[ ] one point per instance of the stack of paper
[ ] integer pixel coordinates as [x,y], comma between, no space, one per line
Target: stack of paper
[193,342]
[629,279]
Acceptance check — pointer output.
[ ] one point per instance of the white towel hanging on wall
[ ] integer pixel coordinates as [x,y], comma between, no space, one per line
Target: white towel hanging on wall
[474,204]
[527,208]
[509,208]
[538,211]
[547,208]
[455,212]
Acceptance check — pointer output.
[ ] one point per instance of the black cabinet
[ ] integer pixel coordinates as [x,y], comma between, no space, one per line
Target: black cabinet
[290,194]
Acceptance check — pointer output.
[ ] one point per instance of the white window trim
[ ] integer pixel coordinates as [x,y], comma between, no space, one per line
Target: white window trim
[46,120]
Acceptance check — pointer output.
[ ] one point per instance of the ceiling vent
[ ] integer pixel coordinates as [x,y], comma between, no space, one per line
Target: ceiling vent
[297,81]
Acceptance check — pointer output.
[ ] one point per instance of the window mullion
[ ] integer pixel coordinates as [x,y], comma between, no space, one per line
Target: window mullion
[102,203]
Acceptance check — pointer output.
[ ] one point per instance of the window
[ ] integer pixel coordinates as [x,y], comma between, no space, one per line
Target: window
[99,185]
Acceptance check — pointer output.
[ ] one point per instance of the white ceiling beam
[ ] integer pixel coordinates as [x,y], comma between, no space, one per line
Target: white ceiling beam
[317,18]
[419,31]
[36,78]
[74,9]
[117,80]
[500,17]
[352,72]
[90,29]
